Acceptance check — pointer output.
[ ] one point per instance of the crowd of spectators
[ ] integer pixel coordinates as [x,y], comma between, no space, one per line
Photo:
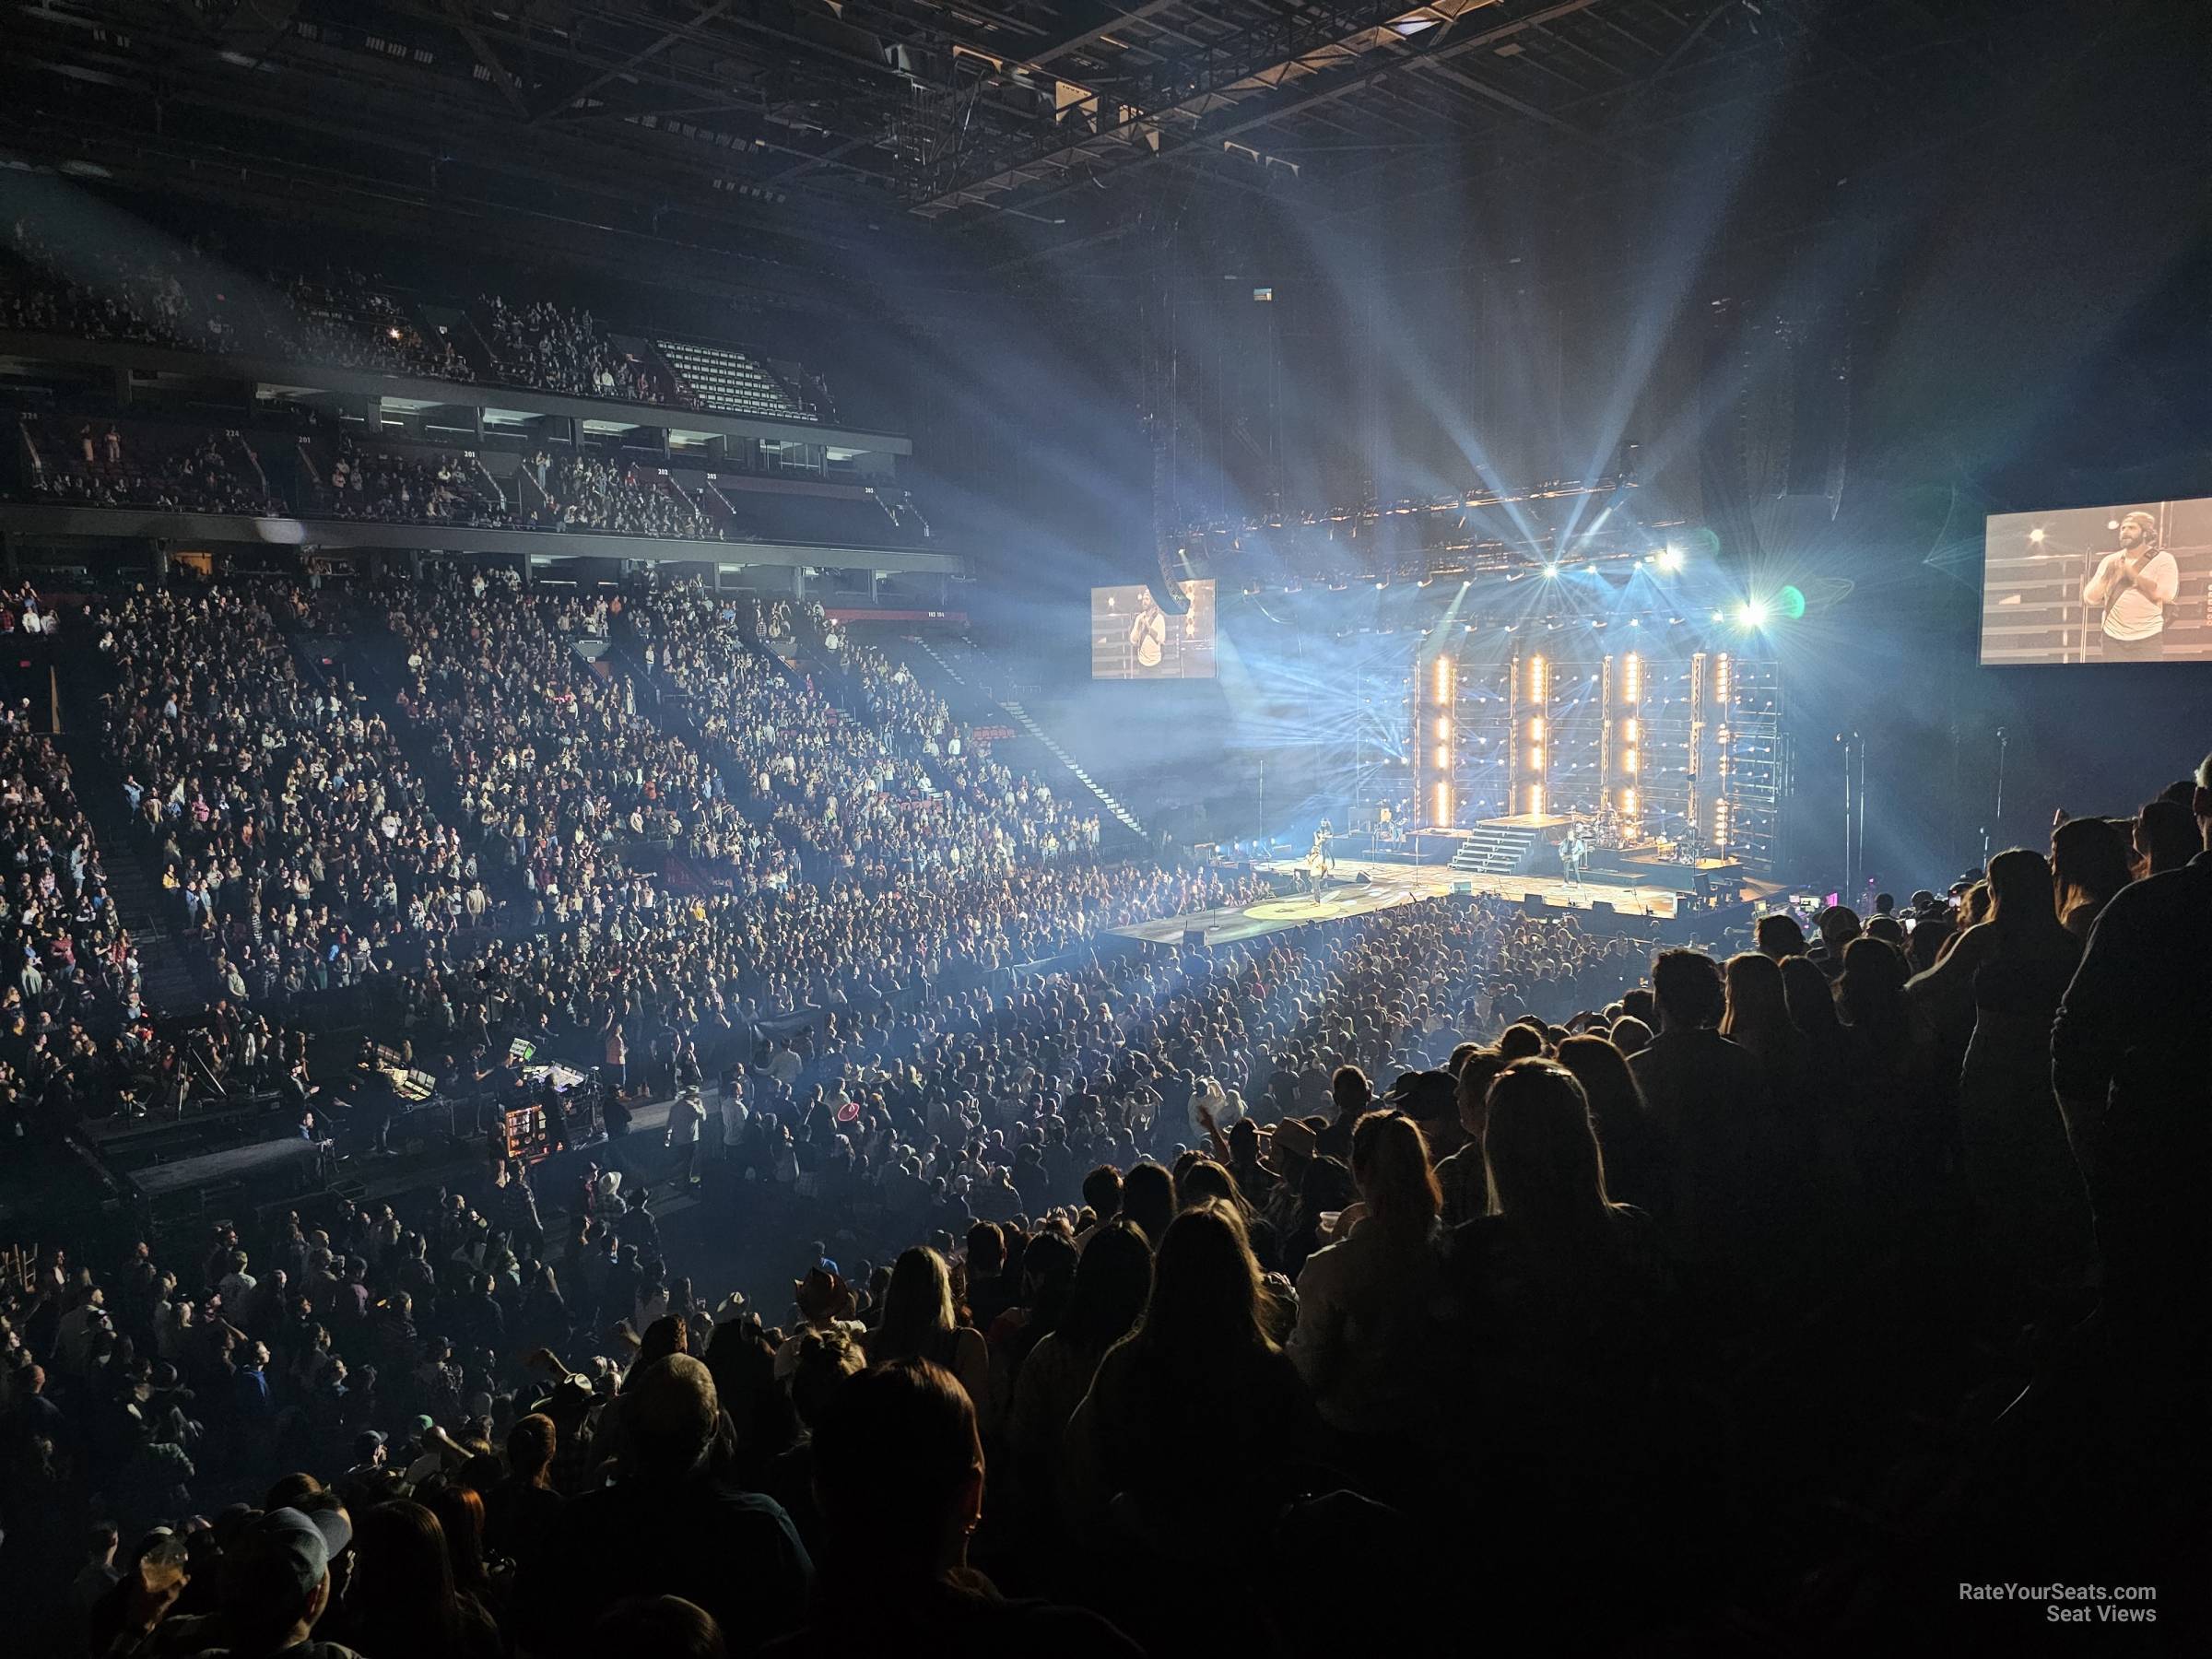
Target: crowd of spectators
[344,319]
[142,299]
[1110,1213]
[296,841]
[868,801]
[614,498]
[557,773]
[556,349]
[1437,1235]
[1153,1284]
[70,974]
[175,297]
[95,466]
[439,487]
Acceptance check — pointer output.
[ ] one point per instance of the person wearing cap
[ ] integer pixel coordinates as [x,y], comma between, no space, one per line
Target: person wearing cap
[277,1584]
[2135,585]
[673,1523]
[1431,1100]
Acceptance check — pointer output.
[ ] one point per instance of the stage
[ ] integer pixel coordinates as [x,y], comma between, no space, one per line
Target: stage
[1388,885]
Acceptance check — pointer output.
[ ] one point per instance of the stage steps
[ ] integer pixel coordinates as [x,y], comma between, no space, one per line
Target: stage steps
[1496,850]
[1121,814]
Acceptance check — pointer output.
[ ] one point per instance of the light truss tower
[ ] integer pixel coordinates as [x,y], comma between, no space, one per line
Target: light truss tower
[1755,762]
[1530,789]
[1436,739]
[1625,740]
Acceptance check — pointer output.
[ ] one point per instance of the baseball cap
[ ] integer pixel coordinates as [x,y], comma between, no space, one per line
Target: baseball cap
[278,1561]
[366,1442]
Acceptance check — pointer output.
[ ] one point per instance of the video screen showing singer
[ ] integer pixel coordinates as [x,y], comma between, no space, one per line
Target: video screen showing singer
[2135,584]
[2126,583]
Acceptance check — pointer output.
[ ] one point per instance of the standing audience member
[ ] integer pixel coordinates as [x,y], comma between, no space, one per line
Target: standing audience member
[671,1523]
[2128,1062]
[919,1323]
[899,1467]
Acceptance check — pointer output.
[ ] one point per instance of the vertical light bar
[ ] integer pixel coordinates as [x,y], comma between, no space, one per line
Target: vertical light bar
[1436,736]
[1724,759]
[1701,680]
[1628,705]
[1536,727]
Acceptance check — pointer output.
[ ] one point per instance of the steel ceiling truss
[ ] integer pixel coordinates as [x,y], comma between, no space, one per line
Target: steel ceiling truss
[940,106]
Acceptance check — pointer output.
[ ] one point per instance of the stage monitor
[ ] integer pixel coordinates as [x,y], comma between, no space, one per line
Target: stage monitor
[2127,584]
[1132,638]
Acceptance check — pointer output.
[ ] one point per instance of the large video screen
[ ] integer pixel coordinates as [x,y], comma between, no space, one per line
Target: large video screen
[1132,638]
[2127,583]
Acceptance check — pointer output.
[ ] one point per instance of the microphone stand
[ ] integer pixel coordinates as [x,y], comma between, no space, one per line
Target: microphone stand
[1998,817]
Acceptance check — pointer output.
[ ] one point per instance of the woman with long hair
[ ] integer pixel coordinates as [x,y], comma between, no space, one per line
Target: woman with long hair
[1902,1130]
[1870,993]
[1810,997]
[1757,1017]
[1635,1146]
[1363,1334]
[1558,1276]
[919,1323]
[744,1368]
[1208,1178]
[1114,1280]
[2032,1216]
[1046,1285]
[402,1599]
[2090,860]
[1199,1370]
[460,1513]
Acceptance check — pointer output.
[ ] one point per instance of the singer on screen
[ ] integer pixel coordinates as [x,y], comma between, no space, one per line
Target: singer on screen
[1149,633]
[2134,585]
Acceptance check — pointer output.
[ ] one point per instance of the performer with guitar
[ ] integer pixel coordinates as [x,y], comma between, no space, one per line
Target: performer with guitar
[1317,858]
[2134,585]
[1573,854]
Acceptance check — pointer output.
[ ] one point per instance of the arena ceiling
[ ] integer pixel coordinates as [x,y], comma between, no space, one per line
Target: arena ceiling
[771,127]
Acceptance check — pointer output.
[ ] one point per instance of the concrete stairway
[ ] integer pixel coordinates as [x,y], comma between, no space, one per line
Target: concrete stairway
[970,675]
[1115,810]
[169,977]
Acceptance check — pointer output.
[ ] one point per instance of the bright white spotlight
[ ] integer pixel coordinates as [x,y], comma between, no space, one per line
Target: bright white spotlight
[1670,558]
[2036,536]
[1752,613]
[1551,570]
